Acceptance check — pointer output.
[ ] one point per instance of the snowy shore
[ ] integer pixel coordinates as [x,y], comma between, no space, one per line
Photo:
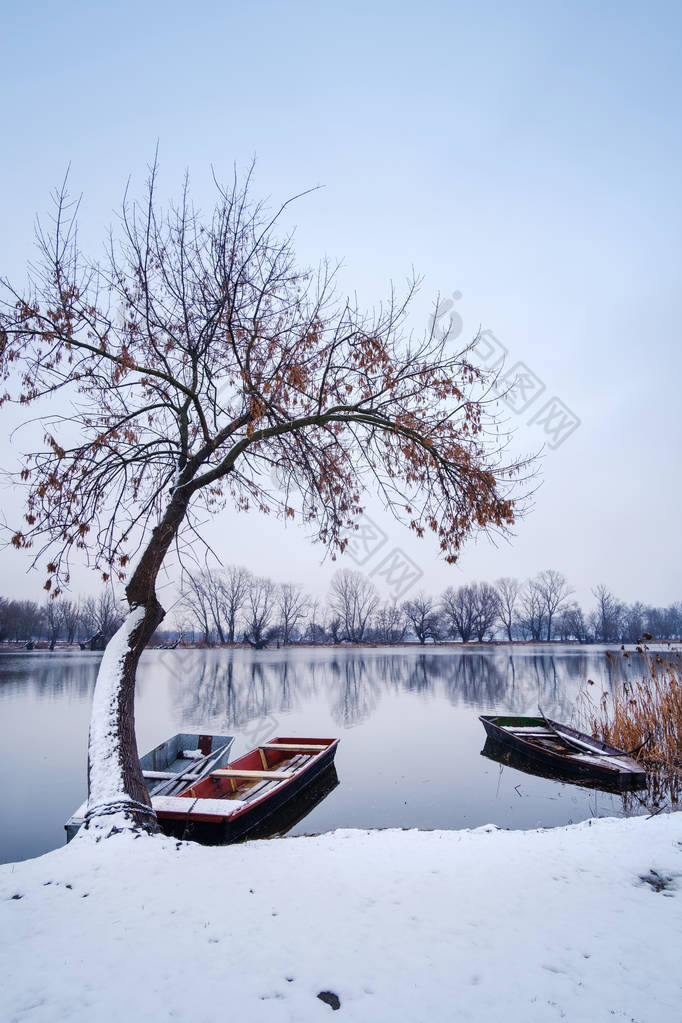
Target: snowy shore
[577,923]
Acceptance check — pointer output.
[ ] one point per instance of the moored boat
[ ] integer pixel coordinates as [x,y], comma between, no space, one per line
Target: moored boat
[234,801]
[565,751]
[171,766]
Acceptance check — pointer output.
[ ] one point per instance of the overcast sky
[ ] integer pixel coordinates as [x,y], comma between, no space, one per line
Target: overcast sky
[523,157]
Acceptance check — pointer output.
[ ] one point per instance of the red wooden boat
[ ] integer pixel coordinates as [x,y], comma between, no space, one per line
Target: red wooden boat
[237,799]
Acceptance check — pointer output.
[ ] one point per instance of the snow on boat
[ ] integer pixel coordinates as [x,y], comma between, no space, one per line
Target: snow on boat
[171,766]
[238,799]
[565,751]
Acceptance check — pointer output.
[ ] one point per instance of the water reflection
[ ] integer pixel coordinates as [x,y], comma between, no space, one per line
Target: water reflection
[510,758]
[238,688]
[357,691]
[49,675]
[407,717]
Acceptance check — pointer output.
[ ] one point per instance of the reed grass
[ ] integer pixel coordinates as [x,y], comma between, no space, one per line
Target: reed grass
[643,716]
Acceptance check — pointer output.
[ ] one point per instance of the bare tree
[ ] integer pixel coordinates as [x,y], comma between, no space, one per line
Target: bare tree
[201,357]
[508,590]
[315,631]
[53,622]
[423,616]
[69,615]
[532,616]
[572,625]
[23,620]
[335,628]
[607,617]
[101,616]
[260,607]
[214,596]
[235,590]
[554,592]
[5,618]
[633,624]
[486,610]
[390,623]
[197,603]
[293,606]
[353,599]
[459,611]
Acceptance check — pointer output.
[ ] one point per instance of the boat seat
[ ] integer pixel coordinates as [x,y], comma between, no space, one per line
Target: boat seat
[294,747]
[531,732]
[228,772]
[169,774]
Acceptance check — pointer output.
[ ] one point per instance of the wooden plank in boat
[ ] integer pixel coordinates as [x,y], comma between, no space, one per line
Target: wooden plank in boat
[529,730]
[189,807]
[228,772]
[263,785]
[170,774]
[294,747]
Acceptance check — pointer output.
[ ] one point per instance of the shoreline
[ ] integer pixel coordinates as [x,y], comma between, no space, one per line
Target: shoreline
[654,645]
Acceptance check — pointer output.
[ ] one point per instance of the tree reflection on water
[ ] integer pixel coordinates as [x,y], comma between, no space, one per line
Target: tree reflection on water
[249,691]
[241,686]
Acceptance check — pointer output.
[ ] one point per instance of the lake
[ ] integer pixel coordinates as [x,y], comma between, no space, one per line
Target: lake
[410,752]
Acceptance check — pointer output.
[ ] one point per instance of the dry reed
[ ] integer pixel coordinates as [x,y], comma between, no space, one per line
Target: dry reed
[643,717]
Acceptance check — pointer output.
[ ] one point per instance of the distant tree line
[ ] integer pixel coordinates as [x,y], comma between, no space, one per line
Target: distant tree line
[235,606]
[62,620]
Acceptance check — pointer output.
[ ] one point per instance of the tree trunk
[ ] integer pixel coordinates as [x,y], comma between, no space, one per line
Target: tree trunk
[115,782]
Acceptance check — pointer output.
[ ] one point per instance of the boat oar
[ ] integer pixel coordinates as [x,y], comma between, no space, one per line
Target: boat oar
[205,767]
[560,735]
[581,746]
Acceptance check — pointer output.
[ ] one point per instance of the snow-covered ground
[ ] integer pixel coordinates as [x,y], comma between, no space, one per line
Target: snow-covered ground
[482,925]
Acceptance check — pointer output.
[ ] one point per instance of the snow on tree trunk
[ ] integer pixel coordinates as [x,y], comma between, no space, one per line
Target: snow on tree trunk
[113,790]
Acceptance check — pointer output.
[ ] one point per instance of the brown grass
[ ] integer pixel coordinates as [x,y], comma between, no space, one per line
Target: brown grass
[646,713]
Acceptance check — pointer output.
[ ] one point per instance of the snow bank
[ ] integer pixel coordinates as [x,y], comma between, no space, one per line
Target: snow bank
[582,923]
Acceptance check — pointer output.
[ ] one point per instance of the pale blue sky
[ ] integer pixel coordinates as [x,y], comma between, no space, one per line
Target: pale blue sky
[526,155]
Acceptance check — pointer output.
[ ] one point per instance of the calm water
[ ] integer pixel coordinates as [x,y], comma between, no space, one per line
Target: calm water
[408,721]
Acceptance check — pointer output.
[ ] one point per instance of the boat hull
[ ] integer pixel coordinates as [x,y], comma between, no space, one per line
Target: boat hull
[598,762]
[213,828]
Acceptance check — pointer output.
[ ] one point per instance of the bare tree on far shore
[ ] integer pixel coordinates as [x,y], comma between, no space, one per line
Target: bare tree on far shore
[293,606]
[572,624]
[508,590]
[195,600]
[390,623]
[260,607]
[53,623]
[459,611]
[554,592]
[353,599]
[532,614]
[422,614]
[101,615]
[486,610]
[69,616]
[235,590]
[607,617]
